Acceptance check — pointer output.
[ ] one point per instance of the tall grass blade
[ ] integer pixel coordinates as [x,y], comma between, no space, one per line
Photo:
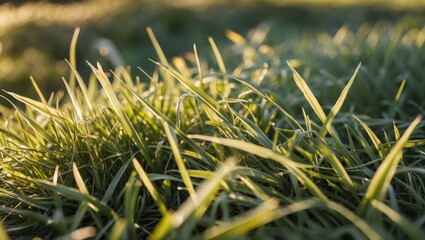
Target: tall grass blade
[381,180]
[375,140]
[72,57]
[150,187]
[402,222]
[172,139]
[335,109]
[293,167]
[194,207]
[168,79]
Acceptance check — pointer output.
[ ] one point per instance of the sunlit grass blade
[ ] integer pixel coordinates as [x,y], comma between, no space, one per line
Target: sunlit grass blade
[83,87]
[3,234]
[379,184]
[150,187]
[72,57]
[308,94]
[207,99]
[123,118]
[375,140]
[261,215]
[337,166]
[37,89]
[168,78]
[335,109]
[172,139]
[220,63]
[77,195]
[118,231]
[130,204]
[74,101]
[408,227]
[293,167]
[194,207]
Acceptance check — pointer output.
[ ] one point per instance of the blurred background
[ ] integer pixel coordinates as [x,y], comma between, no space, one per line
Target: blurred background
[35,35]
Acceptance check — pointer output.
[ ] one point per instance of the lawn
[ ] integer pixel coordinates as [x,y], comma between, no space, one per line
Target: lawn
[303,122]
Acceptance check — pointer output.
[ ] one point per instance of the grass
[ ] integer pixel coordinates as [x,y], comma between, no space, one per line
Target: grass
[257,148]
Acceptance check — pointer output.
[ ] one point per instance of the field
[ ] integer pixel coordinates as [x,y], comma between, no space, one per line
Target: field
[282,121]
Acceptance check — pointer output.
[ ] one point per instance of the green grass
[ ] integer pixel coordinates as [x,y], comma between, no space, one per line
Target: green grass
[257,148]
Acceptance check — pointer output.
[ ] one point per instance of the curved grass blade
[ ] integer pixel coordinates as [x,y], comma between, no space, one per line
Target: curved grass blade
[172,139]
[335,109]
[194,207]
[72,57]
[292,166]
[381,180]
[150,187]
[402,222]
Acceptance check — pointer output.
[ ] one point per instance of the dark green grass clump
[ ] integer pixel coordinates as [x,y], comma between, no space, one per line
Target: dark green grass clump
[256,151]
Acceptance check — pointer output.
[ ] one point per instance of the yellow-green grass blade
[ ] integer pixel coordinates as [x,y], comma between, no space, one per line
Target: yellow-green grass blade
[122,117]
[168,79]
[150,187]
[336,165]
[242,224]
[3,234]
[83,87]
[268,212]
[375,140]
[335,109]
[400,91]
[72,57]
[130,203]
[158,114]
[172,139]
[42,108]
[76,194]
[220,61]
[308,94]
[198,65]
[118,231]
[207,99]
[264,96]
[74,101]
[80,183]
[293,167]
[405,224]
[194,207]
[381,180]
[37,89]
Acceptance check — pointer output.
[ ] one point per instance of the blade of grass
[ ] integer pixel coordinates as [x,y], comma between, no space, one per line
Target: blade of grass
[150,187]
[375,140]
[379,184]
[292,166]
[402,222]
[335,109]
[72,57]
[168,78]
[205,195]
[172,139]
[122,117]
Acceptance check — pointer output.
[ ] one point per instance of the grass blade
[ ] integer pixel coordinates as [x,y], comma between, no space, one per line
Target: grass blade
[402,222]
[381,180]
[292,166]
[335,109]
[172,139]
[150,187]
[196,208]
